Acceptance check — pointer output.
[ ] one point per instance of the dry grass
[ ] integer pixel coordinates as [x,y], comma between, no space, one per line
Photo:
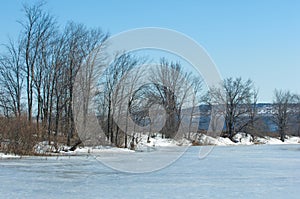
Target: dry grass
[18,136]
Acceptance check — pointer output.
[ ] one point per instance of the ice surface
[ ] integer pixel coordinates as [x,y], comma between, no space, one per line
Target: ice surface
[256,171]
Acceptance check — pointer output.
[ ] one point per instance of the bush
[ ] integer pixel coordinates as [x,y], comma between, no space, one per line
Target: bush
[17,136]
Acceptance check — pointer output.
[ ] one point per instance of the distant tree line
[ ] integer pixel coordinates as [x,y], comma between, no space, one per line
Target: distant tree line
[240,110]
[37,79]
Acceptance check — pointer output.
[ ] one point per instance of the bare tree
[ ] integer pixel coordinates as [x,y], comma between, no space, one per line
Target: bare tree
[4,103]
[37,29]
[79,43]
[238,97]
[297,111]
[11,78]
[169,88]
[197,85]
[85,90]
[112,93]
[44,72]
[123,98]
[283,101]
[54,86]
[250,126]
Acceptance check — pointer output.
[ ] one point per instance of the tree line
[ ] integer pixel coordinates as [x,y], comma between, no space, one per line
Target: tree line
[240,109]
[38,73]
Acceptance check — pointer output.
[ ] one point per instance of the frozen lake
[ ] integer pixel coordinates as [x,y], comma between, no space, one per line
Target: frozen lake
[265,171]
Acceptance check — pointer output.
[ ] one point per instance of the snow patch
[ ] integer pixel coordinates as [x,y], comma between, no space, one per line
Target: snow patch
[100,149]
[288,140]
[219,141]
[45,147]
[144,143]
[9,156]
[245,139]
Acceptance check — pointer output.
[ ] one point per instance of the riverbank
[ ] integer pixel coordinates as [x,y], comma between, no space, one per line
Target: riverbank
[147,145]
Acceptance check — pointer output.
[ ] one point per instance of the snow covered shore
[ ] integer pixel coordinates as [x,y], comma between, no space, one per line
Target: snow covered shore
[154,143]
[245,139]
[8,156]
[158,141]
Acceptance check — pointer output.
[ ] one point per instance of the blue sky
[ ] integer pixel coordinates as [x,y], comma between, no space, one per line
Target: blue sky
[257,39]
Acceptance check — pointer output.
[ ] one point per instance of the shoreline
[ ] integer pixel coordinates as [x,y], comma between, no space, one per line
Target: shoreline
[86,151]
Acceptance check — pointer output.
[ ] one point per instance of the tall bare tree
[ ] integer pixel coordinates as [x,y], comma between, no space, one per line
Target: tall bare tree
[79,43]
[85,91]
[197,85]
[37,29]
[250,126]
[11,78]
[283,101]
[54,86]
[112,93]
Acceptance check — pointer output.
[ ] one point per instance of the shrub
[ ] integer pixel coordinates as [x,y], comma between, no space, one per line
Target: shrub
[18,136]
